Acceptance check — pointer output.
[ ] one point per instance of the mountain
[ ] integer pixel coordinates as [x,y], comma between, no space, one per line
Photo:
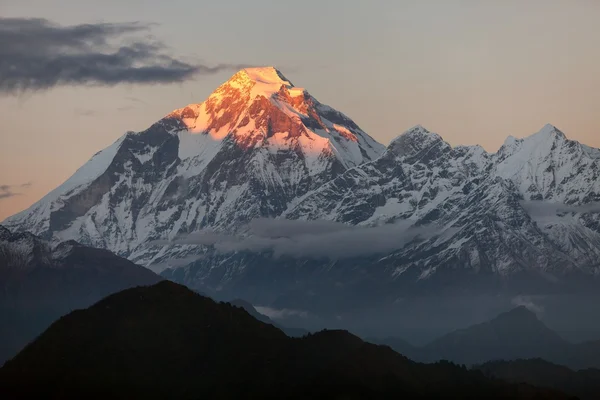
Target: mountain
[352,224]
[41,282]
[255,145]
[512,335]
[583,383]
[166,341]
[523,218]
[508,223]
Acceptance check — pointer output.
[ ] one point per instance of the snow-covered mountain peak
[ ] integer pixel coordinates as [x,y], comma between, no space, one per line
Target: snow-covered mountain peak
[544,141]
[414,141]
[548,166]
[266,75]
[253,146]
[260,108]
[548,130]
[548,134]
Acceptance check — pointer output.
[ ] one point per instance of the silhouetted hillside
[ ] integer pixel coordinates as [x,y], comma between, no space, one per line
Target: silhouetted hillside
[401,346]
[40,283]
[584,383]
[166,341]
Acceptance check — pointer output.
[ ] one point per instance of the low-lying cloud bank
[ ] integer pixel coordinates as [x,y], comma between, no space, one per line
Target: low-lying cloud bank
[542,209]
[309,239]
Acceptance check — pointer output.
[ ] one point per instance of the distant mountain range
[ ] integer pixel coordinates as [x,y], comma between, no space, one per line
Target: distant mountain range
[40,283]
[513,335]
[165,341]
[262,192]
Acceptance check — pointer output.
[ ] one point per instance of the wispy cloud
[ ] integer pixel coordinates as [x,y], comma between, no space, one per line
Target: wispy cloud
[36,54]
[176,262]
[283,313]
[545,208]
[7,191]
[310,239]
[543,212]
[529,303]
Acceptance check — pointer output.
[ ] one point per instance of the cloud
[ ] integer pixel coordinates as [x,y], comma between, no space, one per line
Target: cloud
[283,313]
[36,54]
[528,303]
[7,191]
[176,262]
[545,209]
[543,212]
[310,239]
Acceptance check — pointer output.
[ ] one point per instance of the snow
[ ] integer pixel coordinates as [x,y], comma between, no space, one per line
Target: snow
[91,170]
[392,208]
[296,172]
[197,150]
[95,167]
[547,164]
[147,155]
[267,81]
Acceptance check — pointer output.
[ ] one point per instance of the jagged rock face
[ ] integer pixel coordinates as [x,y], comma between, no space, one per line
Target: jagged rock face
[548,166]
[257,143]
[489,236]
[524,217]
[482,204]
[419,176]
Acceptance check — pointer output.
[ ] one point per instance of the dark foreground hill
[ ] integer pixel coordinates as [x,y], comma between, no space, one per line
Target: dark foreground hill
[166,341]
[40,282]
[583,383]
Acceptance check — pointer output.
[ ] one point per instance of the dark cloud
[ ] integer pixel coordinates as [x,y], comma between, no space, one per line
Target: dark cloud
[310,239]
[36,54]
[7,191]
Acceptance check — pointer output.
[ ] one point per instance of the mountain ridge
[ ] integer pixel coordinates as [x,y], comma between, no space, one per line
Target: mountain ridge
[218,164]
[42,282]
[260,147]
[516,334]
[165,341]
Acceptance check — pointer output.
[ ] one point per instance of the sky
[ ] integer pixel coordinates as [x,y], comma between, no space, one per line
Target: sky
[474,71]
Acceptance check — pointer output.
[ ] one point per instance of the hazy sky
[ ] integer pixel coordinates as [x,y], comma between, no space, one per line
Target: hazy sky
[474,71]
